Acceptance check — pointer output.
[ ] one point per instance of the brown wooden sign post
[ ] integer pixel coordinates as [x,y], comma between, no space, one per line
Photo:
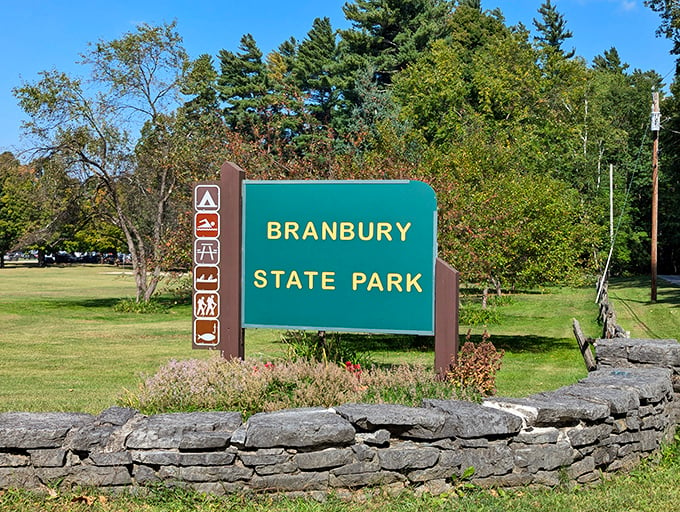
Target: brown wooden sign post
[218,268]
[217,263]
[445,317]
[231,181]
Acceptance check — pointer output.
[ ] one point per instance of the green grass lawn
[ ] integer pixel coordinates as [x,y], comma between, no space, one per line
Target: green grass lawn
[63,348]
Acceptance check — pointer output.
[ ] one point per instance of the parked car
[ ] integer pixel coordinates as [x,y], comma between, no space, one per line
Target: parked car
[64,257]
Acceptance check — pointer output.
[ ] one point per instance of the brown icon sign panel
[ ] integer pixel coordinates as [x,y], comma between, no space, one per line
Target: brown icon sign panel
[206,278]
[207,225]
[207,198]
[206,332]
[206,305]
[206,252]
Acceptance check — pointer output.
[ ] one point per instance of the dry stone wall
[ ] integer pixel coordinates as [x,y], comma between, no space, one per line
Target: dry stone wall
[607,422]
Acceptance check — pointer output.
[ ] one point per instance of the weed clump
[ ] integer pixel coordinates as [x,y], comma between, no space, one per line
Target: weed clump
[476,367]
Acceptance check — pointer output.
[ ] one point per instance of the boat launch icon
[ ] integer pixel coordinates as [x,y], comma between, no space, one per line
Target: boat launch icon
[206,278]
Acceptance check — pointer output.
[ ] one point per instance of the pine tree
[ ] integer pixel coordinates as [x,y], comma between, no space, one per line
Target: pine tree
[314,66]
[242,84]
[552,29]
[201,83]
[387,35]
[610,61]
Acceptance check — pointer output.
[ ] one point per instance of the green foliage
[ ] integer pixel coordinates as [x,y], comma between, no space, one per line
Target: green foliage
[476,315]
[512,132]
[152,306]
[322,347]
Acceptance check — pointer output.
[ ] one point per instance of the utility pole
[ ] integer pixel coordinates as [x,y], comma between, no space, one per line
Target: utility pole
[611,204]
[656,126]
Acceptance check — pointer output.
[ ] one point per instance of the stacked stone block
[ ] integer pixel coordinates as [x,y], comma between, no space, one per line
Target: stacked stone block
[605,423]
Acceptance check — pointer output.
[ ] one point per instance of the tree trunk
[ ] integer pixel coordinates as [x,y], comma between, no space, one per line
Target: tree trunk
[485,297]
[497,285]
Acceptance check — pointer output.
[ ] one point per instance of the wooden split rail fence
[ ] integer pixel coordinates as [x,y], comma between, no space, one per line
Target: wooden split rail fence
[607,318]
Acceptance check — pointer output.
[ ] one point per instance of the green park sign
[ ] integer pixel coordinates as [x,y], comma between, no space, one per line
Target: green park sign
[339,255]
[356,256]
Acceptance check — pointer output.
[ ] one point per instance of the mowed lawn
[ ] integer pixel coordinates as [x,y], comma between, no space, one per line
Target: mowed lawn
[64,348]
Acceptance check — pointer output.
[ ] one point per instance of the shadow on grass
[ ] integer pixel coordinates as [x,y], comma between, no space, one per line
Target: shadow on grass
[109,302]
[527,344]
[388,342]
[515,344]
[667,293]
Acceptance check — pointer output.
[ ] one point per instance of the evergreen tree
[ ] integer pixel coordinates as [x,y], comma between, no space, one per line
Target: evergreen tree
[201,83]
[473,4]
[552,29]
[387,35]
[314,68]
[242,85]
[610,61]
[669,10]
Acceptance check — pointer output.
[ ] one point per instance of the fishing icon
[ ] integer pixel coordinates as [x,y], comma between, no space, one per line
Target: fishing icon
[206,332]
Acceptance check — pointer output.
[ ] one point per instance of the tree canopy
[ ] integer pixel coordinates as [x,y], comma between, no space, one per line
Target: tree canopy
[514,131]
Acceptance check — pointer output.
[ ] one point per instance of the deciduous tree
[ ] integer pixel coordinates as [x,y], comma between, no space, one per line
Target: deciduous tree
[89,127]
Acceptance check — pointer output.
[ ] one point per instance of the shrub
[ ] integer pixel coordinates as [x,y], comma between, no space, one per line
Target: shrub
[324,347]
[476,367]
[476,315]
[255,386]
[180,286]
[141,307]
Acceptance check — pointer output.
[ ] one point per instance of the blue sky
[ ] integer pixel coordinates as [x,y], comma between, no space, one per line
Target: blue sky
[38,35]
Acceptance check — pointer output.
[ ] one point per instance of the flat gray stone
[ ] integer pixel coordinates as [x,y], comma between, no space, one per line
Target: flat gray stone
[352,480]
[89,437]
[558,406]
[11,460]
[543,457]
[408,456]
[651,384]
[48,458]
[214,473]
[584,436]
[170,430]
[497,459]
[264,457]
[620,400]
[324,459]
[553,409]
[637,351]
[287,482]
[115,416]
[26,430]
[22,478]
[400,420]
[298,428]
[204,440]
[90,476]
[380,437]
[472,420]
